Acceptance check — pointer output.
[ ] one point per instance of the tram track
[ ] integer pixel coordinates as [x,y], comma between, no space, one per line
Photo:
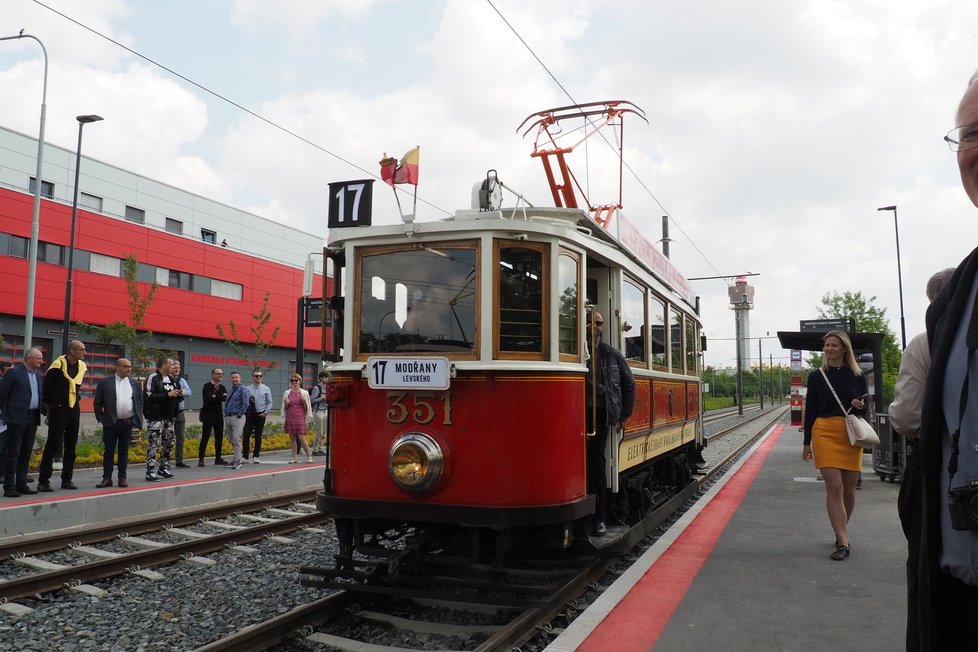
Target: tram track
[107,564]
[298,624]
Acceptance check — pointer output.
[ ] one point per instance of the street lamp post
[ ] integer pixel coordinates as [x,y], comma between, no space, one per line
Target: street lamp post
[82,121]
[896,227]
[36,216]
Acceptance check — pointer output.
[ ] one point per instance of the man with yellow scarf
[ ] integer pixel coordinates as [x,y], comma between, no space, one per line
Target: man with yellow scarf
[61,396]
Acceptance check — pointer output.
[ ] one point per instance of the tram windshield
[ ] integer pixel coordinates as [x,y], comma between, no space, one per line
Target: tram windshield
[418,299]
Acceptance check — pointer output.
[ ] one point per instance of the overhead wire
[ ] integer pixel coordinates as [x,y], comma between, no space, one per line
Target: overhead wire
[625,163]
[223,98]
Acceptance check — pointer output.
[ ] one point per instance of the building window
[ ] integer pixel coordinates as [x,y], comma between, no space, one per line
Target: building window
[174,226]
[17,248]
[210,237]
[107,265]
[225,290]
[47,252]
[91,202]
[136,215]
[182,280]
[47,188]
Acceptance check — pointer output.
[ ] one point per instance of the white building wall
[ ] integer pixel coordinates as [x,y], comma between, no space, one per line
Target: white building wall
[245,232]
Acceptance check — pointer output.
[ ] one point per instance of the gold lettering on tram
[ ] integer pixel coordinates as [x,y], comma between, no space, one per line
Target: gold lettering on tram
[423,409]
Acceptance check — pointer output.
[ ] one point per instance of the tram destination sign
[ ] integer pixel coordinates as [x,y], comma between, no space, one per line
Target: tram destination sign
[825,325]
[408,373]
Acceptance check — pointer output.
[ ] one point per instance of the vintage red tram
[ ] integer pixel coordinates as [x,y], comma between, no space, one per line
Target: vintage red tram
[457,378]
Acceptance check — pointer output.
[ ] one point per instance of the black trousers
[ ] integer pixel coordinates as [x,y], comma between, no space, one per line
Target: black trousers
[206,428]
[17,455]
[63,424]
[597,478]
[254,423]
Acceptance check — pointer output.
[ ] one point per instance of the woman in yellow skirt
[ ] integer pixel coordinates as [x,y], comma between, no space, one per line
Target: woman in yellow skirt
[825,432]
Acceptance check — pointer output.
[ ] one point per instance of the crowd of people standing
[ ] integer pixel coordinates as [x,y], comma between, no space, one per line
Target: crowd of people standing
[125,408]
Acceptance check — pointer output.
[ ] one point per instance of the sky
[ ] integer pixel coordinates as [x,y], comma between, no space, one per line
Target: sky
[776,129]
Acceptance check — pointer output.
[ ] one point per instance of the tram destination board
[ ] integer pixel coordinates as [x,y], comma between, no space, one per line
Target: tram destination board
[408,373]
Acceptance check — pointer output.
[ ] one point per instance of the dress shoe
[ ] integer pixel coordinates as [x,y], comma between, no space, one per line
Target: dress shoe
[107,482]
[220,462]
[164,473]
[44,486]
[68,484]
[26,491]
[182,465]
[123,483]
[11,493]
[200,463]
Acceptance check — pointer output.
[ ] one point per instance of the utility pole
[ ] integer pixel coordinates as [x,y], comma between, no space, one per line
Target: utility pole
[760,370]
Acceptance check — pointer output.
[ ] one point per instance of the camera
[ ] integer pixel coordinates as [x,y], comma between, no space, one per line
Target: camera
[964,506]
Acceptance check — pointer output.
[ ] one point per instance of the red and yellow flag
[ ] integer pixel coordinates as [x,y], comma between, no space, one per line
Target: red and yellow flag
[404,172]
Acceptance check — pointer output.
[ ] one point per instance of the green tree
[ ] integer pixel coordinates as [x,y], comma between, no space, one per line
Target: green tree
[869,319]
[134,341]
[262,345]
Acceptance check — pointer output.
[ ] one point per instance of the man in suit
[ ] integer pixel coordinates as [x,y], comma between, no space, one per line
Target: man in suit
[20,410]
[118,406]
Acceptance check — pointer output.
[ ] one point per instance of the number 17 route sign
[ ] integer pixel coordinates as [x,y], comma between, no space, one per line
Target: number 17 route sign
[408,373]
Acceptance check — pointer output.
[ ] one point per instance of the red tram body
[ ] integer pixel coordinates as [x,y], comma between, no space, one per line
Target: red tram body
[487,454]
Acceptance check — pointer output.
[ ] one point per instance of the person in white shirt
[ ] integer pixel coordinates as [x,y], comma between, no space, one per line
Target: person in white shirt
[118,406]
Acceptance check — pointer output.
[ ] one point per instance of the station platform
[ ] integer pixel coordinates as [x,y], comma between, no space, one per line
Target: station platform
[748,568]
[190,487]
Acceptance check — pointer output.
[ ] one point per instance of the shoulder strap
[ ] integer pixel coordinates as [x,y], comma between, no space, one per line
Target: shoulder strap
[829,383]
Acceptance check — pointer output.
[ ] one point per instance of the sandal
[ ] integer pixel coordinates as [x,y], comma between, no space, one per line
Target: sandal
[841,553]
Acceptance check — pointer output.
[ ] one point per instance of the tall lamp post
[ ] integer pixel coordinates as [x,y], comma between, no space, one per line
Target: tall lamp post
[36,218]
[896,227]
[82,121]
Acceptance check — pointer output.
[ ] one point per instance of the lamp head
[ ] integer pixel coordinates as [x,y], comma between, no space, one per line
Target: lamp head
[887,208]
[85,119]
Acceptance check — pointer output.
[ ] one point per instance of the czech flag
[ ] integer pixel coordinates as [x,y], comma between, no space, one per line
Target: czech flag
[404,172]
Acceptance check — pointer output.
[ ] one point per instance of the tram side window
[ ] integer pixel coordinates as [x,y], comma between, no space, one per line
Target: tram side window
[690,342]
[657,323]
[569,269]
[520,297]
[418,300]
[676,341]
[633,318]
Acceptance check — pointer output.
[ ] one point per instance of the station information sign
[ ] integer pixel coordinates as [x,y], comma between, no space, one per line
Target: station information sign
[408,373]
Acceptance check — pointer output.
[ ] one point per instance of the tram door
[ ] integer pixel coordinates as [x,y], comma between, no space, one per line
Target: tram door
[601,286]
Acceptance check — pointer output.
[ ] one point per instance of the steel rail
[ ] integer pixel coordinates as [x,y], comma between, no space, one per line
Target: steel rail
[58,540]
[58,579]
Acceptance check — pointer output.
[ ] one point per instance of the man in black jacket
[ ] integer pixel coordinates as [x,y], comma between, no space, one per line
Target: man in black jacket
[20,411]
[614,398]
[212,417]
[163,395]
[941,478]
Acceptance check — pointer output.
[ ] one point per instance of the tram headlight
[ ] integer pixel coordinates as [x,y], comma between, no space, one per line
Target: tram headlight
[416,462]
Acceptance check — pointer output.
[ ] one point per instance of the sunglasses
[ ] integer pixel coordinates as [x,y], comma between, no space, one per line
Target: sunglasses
[257,376]
[296,380]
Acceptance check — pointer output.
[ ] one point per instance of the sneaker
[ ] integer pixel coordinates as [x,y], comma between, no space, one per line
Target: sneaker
[841,553]
[182,464]
[859,483]
[236,466]
[256,461]
[152,477]
[319,452]
[165,473]
[200,463]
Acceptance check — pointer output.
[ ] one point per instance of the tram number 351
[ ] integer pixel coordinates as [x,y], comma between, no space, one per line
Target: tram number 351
[421,408]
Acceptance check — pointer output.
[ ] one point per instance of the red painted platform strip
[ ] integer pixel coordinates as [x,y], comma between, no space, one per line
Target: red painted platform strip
[638,620]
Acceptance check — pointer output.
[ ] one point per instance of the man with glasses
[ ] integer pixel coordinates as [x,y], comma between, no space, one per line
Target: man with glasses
[941,478]
[610,398]
[118,406]
[212,417]
[320,414]
[259,403]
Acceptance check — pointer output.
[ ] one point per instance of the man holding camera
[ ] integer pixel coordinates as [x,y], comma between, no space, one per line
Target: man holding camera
[163,395]
[939,506]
